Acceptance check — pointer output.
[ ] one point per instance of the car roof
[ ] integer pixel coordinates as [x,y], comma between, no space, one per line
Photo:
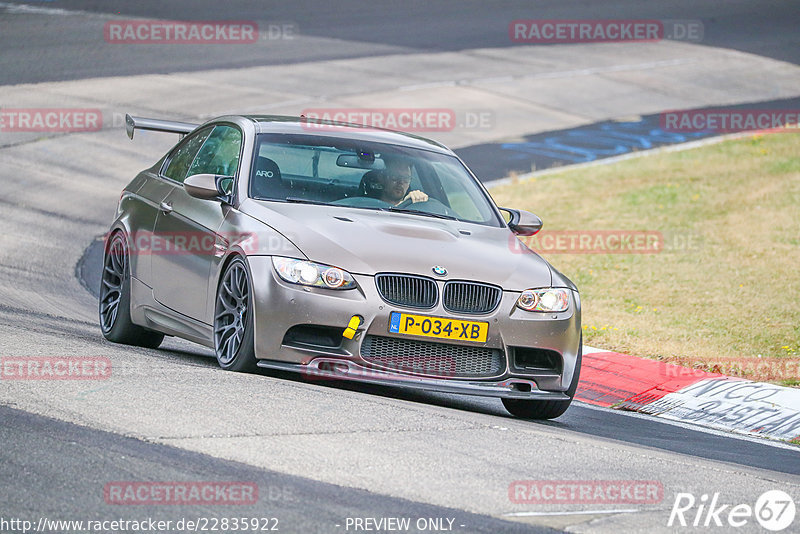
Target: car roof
[300,125]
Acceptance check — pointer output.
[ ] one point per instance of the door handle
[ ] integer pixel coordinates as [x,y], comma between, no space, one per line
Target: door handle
[166,207]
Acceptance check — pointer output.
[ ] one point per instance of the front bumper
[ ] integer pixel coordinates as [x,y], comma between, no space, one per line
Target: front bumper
[279,306]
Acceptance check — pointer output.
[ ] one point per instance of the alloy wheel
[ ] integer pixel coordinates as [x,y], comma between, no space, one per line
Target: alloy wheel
[233,299]
[113,277]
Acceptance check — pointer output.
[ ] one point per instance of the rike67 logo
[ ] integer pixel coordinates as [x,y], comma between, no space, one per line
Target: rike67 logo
[774,510]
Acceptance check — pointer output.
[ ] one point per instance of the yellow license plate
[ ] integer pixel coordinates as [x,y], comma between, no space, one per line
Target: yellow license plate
[421,325]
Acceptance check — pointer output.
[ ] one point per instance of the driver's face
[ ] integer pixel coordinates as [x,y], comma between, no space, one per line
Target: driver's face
[396,180]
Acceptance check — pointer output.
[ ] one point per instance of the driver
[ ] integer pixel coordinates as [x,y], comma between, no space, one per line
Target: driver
[395,180]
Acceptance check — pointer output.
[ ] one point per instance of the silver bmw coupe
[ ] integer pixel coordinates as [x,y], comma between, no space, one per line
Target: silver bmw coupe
[340,252]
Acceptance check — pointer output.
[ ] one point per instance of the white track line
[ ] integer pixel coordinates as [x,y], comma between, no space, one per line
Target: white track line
[576,512]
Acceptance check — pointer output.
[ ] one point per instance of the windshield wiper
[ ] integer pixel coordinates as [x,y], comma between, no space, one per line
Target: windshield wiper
[418,212]
[305,201]
[298,200]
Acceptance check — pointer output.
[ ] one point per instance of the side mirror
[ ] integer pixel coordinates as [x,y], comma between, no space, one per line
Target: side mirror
[522,222]
[205,186]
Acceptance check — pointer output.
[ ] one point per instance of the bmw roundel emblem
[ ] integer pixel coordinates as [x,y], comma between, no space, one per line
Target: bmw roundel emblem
[438,269]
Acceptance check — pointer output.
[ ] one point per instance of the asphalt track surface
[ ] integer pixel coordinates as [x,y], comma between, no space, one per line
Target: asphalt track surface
[71,462]
[360,28]
[52,467]
[585,144]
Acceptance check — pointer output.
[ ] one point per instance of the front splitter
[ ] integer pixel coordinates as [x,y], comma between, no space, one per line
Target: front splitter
[340,369]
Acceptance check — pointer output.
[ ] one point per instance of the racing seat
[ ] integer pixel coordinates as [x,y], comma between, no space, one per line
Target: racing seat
[267,181]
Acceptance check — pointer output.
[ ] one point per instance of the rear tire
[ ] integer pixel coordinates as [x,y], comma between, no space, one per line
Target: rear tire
[115,299]
[233,319]
[539,409]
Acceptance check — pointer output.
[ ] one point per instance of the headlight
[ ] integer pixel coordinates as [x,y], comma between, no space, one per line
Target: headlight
[544,300]
[308,273]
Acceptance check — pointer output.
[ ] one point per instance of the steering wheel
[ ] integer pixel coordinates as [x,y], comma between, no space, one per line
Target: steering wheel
[404,204]
[433,205]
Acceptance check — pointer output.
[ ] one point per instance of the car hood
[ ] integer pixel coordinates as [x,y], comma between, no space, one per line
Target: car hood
[364,241]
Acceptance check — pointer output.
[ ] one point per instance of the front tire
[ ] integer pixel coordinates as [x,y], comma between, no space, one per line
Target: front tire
[115,299]
[233,319]
[538,409]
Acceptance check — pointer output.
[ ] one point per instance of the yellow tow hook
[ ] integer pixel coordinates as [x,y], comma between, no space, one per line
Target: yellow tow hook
[352,326]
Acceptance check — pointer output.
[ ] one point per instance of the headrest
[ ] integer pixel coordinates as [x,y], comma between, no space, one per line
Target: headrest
[267,169]
[371,185]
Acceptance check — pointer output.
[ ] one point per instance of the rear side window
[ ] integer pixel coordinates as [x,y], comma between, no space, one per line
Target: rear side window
[182,156]
[219,154]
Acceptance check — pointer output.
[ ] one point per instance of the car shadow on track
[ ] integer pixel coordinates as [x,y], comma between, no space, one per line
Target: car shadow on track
[483,405]
[600,423]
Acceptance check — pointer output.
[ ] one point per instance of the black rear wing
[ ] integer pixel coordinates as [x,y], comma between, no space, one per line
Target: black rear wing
[157,125]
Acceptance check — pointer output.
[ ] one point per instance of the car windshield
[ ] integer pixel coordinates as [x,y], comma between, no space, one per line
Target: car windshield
[346,172]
